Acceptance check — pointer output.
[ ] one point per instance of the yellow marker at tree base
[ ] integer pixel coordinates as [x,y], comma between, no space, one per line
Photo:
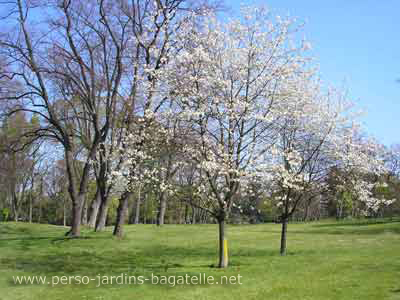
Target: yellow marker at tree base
[225,252]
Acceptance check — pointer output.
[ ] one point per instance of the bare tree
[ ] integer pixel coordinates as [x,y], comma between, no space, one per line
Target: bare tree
[75,58]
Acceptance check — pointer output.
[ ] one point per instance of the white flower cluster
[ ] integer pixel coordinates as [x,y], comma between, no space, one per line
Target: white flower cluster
[252,108]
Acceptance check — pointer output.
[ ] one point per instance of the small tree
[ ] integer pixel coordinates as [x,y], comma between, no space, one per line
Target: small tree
[231,83]
[309,151]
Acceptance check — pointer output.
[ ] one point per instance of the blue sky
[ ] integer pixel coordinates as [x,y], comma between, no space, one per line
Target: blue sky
[357,43]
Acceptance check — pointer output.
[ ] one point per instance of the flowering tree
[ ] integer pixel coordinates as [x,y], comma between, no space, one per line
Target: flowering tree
[230,82]
[362,175]
[132,162]
[153,27]
[317,137]
[152,24]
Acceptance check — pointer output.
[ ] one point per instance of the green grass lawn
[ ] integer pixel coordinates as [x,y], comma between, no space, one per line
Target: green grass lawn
[326,260]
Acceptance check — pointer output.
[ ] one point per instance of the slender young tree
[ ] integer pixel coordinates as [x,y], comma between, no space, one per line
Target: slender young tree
[231,83]
[315,139]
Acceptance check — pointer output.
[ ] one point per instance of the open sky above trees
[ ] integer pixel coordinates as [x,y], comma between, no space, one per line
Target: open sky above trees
[357,44]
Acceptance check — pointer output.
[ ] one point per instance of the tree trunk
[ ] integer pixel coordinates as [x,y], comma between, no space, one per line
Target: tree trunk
[305,217]
[340,211]
[77,195]
[162,209]
[40,199]
[64,213]
[121,213]
[85,213]
[94,209]
[283,235]
[30,208]
[76,217]
[15,207]
[137,211]
[40,212]
[223,244]
[186,213]
[339,208]
[204,217]
[102,214]
[146,204]
[193,215]
[31,199]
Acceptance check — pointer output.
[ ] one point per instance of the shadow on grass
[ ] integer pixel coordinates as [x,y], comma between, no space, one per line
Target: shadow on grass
[49,238]
[8,229]
[344,228]
[369,231]
[157,261]
[32,238]
[53,256]
[364,222]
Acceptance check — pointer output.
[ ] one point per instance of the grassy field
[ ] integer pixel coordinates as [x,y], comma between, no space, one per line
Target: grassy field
[325,260]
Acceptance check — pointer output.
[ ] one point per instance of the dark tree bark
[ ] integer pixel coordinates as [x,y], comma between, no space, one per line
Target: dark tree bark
[284,220]
[77,192]
[306,210]
[194,214]
[102,214]
[137,211]
[30,209]
[146,205]
[64,213]
[121,213]
[186,213]
[40,199]
[85,213]
[75,230]
[15,208]
[17,198]
[339,210]
[162,209]
[94,209]
[31,202]
[283,236]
